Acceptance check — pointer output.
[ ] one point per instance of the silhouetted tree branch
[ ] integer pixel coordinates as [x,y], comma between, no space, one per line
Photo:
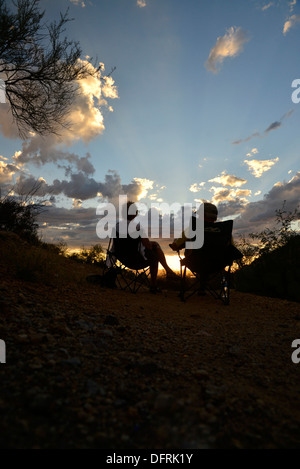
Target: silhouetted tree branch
[39,68]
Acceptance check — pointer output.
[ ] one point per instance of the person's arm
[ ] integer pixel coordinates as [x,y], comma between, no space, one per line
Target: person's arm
[178,243]
[147,243]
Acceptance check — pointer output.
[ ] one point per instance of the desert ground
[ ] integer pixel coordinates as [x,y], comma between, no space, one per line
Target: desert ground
[93,367]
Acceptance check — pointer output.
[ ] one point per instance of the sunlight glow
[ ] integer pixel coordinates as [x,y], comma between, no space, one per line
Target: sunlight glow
[173,262]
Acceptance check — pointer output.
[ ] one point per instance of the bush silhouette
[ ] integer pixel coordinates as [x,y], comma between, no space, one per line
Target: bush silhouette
[274,274]
[19,216]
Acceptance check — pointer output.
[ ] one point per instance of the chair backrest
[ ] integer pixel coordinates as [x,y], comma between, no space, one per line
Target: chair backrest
[127,251]
[215,252]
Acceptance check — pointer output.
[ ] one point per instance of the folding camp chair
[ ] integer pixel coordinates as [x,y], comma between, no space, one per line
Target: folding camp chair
[211,264]
[131,269]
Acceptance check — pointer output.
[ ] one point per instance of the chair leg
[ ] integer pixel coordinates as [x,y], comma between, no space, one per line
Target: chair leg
[183,283]
[225,287]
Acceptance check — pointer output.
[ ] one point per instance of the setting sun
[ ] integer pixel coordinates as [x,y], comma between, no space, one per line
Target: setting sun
[173,262]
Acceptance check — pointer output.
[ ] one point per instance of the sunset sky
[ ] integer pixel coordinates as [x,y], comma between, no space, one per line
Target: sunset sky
[199,107]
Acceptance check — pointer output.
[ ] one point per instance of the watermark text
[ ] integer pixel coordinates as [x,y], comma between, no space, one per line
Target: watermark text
[296,94]
[296,353]
[2,91]
[2,351]
[176,219]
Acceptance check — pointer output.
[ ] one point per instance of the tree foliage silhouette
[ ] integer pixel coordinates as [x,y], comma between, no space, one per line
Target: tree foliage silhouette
[40,69]
[19,214]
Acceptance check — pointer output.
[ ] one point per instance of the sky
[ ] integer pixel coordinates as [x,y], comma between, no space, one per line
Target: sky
[197,101]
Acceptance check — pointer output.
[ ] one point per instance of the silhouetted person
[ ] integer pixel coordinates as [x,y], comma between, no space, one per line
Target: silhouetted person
[150,252]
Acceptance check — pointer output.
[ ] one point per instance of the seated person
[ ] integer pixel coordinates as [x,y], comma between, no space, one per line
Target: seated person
[210,216]
[150,252]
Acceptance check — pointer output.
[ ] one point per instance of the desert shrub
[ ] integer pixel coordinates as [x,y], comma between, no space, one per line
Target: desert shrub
[94,255]
[18,215]
[270,266]
[274,274]
[270,239]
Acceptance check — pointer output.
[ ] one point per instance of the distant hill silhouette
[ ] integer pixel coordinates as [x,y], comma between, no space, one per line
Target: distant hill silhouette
[275,274]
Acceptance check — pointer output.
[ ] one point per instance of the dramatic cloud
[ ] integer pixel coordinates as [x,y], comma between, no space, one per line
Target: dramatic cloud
[145,185]
[290,23]
[229,45]
[259,215]
[257,168]
[85,120]
[39,152]
[85,123]
[222,194]
[81,187]
[7,172]
[77,226]
[229,180]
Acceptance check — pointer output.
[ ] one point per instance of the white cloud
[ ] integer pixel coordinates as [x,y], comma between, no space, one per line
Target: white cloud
[196,187]
[229,180]
[222,194]
[229,45]
[290,23]
[141,3]
[292,5]
[145,186]
[257,168]
[252,152]
[85,123]
[267,6]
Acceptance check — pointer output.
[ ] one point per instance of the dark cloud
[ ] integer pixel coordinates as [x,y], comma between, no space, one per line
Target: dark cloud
[275,125]
[237,142]
[81,187]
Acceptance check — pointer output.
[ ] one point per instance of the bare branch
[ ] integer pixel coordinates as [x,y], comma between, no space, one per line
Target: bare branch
[40,68]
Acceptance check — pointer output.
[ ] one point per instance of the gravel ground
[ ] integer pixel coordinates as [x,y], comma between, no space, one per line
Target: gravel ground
[89,367]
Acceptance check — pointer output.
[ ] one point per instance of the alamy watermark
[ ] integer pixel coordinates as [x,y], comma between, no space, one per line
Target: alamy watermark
[2,351]
[296,94]
[176,218]
[296,353]
[2,91]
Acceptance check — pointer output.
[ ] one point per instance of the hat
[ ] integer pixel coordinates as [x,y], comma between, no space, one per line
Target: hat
[210,211]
